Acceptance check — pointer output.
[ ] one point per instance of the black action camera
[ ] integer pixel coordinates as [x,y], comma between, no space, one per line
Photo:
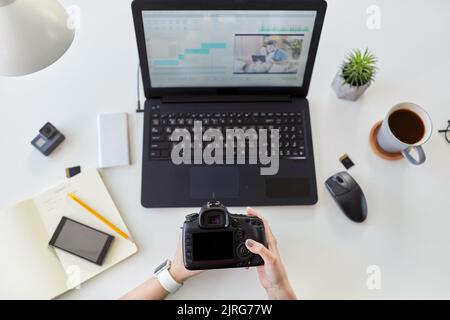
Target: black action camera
[215,238]
[48,139]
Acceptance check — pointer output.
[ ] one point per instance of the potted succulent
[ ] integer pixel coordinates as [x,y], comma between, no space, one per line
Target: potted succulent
[296,48]
[355,75]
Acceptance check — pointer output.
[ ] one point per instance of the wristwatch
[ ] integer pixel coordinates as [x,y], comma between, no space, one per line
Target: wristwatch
[165,278]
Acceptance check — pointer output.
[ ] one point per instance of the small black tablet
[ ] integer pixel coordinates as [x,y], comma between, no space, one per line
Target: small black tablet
[81,240]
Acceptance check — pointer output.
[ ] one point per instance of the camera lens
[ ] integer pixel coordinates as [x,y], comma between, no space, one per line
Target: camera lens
[48,130]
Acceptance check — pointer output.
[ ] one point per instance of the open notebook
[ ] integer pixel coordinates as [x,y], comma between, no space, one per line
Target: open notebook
[29,268]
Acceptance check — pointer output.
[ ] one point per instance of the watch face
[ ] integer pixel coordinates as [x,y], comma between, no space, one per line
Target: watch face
[162,266]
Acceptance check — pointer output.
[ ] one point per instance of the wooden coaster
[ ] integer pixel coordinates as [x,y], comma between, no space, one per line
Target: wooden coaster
[376,147]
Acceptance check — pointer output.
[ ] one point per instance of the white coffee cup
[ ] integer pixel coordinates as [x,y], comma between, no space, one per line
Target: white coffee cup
[413,135]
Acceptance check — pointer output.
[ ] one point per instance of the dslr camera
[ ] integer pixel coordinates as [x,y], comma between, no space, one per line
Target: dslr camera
[215,238]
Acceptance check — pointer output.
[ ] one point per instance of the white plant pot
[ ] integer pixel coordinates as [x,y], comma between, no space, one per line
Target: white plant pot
[345,91]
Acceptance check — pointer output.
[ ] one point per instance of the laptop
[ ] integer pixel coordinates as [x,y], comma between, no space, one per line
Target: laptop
[258,58]
[197,68]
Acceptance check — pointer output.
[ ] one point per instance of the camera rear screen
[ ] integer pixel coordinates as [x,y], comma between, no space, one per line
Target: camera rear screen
[213,246]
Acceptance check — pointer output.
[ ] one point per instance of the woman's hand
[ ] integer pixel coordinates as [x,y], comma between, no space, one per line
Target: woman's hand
[177,270]
[152,289]
[272,274]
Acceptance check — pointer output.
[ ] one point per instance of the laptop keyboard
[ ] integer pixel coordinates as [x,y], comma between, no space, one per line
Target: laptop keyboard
[290,126]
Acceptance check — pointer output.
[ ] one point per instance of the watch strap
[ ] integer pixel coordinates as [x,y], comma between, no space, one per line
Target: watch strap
[167,281]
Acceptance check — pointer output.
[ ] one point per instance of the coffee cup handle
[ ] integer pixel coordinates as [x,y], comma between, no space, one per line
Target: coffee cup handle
[420,155]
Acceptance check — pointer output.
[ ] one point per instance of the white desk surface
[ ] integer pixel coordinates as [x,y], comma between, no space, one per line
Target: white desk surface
[407,233]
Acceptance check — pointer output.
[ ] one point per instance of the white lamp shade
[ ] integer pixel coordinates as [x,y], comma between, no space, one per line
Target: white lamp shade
[33,35]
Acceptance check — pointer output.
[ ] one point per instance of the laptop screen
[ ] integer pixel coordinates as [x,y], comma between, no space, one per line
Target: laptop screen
[227,48]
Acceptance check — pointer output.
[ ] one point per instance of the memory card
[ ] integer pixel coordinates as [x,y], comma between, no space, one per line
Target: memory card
[346,161]
[70,172]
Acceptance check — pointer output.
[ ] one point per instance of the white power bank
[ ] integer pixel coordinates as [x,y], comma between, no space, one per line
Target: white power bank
[113,148]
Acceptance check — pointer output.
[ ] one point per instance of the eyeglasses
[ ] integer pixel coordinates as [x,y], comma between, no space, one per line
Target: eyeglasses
[447,132]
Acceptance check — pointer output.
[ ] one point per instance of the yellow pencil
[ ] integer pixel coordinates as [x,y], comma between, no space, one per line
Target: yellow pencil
[98,215]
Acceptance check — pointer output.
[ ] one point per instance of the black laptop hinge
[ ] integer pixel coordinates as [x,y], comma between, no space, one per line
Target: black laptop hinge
[226,98]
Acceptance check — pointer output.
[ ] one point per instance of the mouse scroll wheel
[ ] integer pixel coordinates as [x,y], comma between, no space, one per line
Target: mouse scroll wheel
[339,180]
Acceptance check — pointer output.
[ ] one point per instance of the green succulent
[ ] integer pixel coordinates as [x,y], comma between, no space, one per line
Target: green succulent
[359,68]
[295,45]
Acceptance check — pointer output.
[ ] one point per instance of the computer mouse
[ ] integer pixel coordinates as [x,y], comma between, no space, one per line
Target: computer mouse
[348,195]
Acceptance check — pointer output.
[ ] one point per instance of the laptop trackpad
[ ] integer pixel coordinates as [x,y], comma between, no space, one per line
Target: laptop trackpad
[214,182]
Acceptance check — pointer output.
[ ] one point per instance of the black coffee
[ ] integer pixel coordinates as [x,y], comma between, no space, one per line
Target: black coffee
[406,126]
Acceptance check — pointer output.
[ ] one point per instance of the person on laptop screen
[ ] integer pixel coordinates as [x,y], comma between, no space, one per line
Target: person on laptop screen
[274,53]
[272,274]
